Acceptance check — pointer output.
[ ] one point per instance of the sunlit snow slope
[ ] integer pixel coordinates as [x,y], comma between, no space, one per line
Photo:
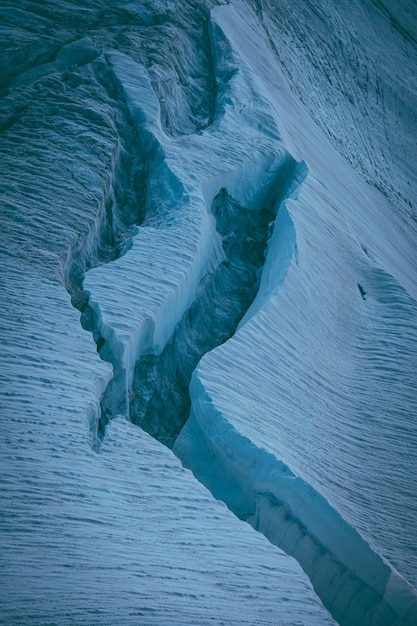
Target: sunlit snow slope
[209,234]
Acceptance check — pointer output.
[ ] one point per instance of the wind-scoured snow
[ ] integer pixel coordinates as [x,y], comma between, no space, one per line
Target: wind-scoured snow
[337,387]
[354,70]
[127,536]
[208,231]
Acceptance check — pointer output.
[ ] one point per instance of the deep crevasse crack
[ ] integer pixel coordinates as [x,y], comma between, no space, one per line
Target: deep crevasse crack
[160,401]
[151,382]
[122,208]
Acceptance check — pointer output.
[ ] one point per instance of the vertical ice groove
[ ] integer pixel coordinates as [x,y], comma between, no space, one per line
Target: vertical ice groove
[124,200]
[160,401]
[185,81]
[122,208]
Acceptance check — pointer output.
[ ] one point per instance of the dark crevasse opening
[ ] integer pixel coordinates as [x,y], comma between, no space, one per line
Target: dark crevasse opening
[182,71]
[160,401]
[123,205]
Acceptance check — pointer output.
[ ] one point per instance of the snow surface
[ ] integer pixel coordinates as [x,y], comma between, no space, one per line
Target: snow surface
[129,537]
[148,149]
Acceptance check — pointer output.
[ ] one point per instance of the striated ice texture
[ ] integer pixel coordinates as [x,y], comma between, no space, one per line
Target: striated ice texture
[209,234]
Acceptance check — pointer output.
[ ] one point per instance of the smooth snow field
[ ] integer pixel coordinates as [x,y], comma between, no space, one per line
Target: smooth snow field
[208,312]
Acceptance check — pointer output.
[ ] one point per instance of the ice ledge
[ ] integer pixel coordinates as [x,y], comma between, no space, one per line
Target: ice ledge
[355,584]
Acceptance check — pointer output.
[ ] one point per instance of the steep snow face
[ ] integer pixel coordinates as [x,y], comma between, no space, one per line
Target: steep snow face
[346,328]
[354,68]
[402,16]
[181,238]
[126,536]
[337,372]
[179,190]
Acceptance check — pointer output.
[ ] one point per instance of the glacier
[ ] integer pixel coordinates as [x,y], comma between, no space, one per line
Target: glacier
[208,264]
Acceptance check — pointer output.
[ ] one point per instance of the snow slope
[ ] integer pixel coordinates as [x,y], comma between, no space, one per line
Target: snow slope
[165,146]
[338,384]
[127,535]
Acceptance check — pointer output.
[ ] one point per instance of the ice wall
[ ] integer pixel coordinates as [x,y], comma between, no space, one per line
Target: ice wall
[337,383]
[354,583]
[125,536]
[160,146]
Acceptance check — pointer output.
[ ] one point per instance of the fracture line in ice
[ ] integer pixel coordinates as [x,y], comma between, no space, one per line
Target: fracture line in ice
[170,255]
[354,583]
[177,244]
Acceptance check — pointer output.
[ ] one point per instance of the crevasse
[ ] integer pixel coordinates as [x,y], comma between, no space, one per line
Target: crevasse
[227,210]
